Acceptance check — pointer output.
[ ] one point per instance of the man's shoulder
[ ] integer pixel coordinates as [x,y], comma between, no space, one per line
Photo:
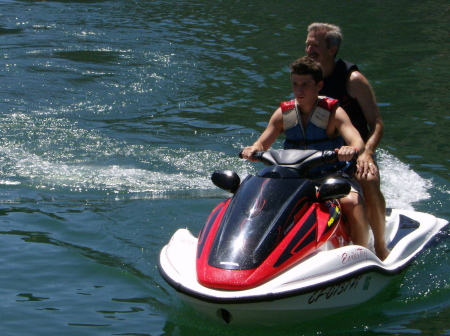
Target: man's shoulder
[345,65]
[357,79]
[359,88]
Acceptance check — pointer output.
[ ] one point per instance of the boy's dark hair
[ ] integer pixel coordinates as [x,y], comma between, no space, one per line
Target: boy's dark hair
[306,66]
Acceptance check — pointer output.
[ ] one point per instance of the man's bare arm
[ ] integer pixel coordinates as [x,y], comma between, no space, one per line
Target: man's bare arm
[359,88]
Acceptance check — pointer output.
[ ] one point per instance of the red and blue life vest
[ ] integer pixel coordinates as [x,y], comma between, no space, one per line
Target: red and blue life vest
[314,136]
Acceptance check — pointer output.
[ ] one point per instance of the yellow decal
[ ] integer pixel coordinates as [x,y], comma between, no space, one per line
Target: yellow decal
[333,217]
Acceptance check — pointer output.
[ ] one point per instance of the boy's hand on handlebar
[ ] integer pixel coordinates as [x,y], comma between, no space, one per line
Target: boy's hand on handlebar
[248,152]
[346,153]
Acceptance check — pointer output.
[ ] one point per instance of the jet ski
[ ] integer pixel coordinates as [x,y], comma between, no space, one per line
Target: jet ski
[278,250]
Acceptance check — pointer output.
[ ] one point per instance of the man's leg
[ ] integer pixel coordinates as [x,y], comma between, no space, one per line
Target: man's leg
[375,211]
[353,209]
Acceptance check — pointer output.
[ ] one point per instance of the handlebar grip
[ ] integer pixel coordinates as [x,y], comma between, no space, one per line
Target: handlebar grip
[256,155]
[329,156]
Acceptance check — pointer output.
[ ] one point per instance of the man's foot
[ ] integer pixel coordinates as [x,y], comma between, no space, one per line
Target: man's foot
[382,252]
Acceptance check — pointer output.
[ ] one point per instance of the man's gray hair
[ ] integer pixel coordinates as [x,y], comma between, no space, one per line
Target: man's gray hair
[333,36]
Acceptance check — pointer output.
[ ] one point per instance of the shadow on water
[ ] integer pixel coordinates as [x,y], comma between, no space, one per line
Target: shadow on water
[90,56]
[101,258]
[8,31]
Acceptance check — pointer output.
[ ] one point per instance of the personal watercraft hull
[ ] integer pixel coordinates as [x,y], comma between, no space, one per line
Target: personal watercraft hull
[294,309]
[326,282]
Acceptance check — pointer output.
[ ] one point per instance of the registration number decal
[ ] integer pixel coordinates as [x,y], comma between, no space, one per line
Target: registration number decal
[335,290]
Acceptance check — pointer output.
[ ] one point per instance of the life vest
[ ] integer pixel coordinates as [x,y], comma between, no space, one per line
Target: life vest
[335,86]
[314,136]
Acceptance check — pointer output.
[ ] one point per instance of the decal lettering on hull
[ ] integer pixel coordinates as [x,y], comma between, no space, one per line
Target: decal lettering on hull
[354,256]
[335,290]
[367,283]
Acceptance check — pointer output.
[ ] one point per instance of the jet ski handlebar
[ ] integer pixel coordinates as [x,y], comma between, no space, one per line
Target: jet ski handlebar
[303,160]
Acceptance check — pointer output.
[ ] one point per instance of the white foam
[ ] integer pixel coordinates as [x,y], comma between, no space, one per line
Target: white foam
[401,185]
[173,170]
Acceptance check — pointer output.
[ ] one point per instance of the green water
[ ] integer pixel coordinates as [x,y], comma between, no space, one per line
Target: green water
[115,113]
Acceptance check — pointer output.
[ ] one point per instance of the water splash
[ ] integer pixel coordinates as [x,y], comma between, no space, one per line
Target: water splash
[401,185]
[56,153]
[172,170]
[28,168]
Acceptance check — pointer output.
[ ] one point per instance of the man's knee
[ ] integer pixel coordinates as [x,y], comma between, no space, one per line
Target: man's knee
[352,200]
[368,181]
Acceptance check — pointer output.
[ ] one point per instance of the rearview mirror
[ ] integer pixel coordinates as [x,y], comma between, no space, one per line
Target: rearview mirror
[333,188]
[227,180]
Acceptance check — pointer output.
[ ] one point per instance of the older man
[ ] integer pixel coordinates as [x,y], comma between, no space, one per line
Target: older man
[344,82]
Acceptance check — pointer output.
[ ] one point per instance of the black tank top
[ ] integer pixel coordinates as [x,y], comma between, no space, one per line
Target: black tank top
[335,86]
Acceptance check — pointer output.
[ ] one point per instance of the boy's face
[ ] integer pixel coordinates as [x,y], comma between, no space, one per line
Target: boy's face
[306,90]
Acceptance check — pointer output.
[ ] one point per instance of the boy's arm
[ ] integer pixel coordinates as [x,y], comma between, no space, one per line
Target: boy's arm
[350,134]
[268,137]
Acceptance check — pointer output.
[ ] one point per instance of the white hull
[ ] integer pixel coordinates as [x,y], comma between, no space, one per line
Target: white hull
[325,283]
[304,307]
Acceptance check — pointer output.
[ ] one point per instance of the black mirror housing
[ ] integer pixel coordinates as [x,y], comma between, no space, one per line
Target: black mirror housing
[227,180]
[333,188]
